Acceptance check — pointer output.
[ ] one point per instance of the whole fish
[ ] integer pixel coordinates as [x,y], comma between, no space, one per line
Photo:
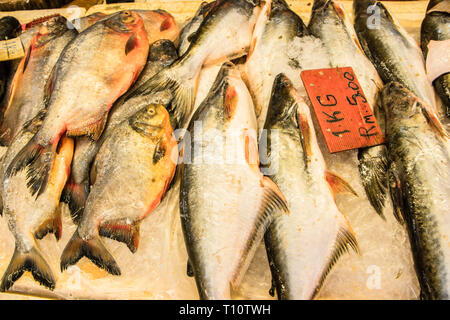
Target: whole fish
[226,203]
[30,218]
[296,50]
[419,172]
[9,28]
[131,173]
[29,84]
[82,88]
[161,54]
[436,27]
[329,23]
[303,246]
[225,33]
[189,30]
[395,54]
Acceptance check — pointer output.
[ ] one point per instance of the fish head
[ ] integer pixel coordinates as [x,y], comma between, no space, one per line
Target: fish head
[162,50]
[159,24]
[125,22]
[153,120]
[399,102]
[283,103]
[51,29]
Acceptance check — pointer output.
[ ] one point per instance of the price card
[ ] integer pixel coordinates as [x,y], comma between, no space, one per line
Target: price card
[344,115]
[11,49]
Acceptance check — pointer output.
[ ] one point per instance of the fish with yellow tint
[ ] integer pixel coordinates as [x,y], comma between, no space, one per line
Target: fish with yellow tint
[30,218]
[130,175]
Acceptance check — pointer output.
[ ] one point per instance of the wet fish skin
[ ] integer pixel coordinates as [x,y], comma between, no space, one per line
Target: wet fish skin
[9,28]
[131,172]
[419,158]
[396,56]
[189,30]
[224,34]
[279,27]
[28,89]
[161,54]
[225,206]
[30,218]
[87,75]
[303,246]
[329,23]
[85,22]
[436,26]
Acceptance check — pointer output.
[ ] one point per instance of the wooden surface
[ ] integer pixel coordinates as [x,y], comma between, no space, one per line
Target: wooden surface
[409,14]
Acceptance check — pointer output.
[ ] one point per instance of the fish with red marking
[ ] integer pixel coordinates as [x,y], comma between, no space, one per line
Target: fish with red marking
[28,87]
[30,218]
[94,70]
[130,175]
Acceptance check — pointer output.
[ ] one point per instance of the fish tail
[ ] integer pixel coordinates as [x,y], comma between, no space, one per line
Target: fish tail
[31,261]
[182,86]
[122,232]
[52,225]
[75,195]
[39,160]
[93,249]
[373,172]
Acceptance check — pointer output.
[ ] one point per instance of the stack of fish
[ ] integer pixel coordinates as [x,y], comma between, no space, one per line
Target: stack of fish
[91,116]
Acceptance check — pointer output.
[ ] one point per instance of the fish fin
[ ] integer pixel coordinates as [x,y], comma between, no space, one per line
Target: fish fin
[433,120]
[26,59]
[160,151]
[131,44]
[373,173]
[75,196]
[183,91]
[31,261]
[395,190]
[272,287]
[344,241]
[93,131]
[305,132]
[273,203]
[339,185]
[39,160]
[166,24]
[93,249]
[122,231]
[189,269]
[230,101]
[52,225]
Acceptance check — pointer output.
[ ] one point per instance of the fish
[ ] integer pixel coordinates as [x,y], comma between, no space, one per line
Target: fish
[226,203]
[436,27]
[29,84]
[329,22]
[85,22]
[161,54]
[191,27]
[394,53]
[9,28]
[224,34]
[29,218]
[82,88]
[281,43]
[131,174]
[419,171]
[303,246]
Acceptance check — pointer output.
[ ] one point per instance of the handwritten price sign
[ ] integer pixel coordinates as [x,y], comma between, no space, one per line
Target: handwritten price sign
[344,115]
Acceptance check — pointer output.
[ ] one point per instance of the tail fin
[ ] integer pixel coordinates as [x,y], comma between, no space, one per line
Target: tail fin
[75,196]
[123,232]
[39,160]
[31,261]
[183,90]
[93,249]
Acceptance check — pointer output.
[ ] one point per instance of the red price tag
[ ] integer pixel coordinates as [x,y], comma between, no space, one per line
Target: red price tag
[345,117]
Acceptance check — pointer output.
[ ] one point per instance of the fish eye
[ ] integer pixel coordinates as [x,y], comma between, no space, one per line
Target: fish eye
[152,110]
